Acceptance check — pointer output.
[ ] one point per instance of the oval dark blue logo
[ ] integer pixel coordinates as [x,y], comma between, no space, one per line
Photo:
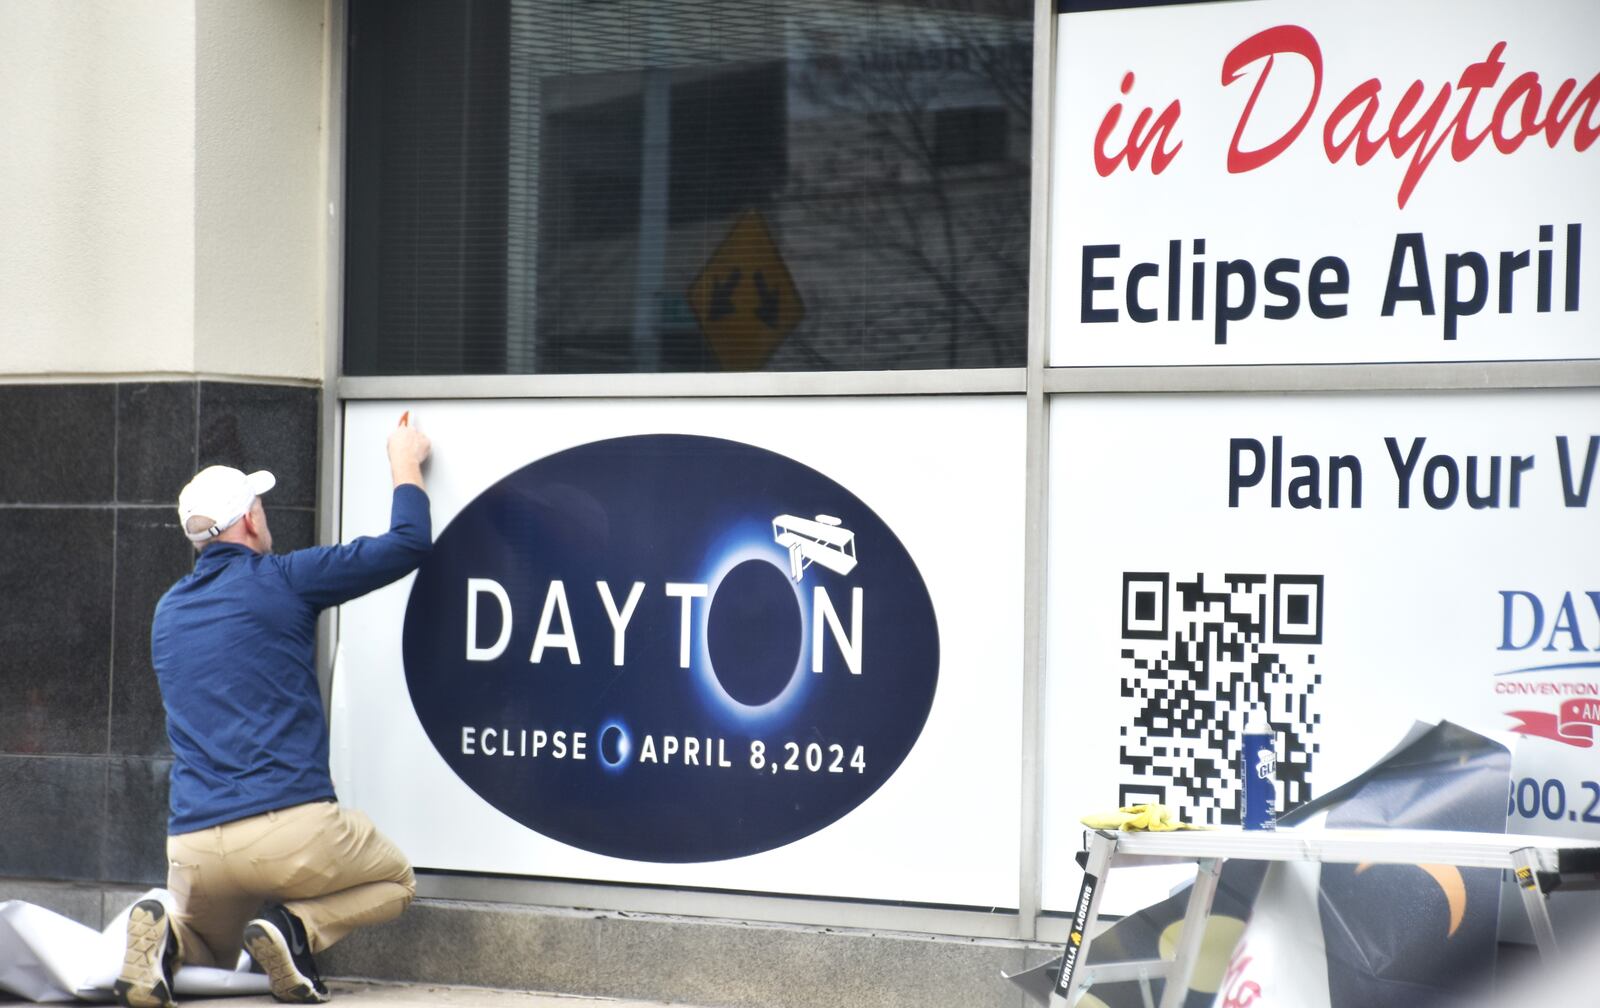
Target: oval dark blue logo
[671,648]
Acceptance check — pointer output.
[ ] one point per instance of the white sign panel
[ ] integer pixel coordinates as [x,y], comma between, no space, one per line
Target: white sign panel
[1354,563]
[1294,181]
[768,645]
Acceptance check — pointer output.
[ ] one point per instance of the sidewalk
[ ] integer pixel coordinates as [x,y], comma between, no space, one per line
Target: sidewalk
[358,994]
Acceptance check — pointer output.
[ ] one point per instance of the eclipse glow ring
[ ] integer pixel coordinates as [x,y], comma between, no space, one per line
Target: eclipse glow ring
[624,746]
[706,671]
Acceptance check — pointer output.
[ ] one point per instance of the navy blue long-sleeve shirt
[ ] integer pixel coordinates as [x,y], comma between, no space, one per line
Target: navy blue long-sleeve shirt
[234,646]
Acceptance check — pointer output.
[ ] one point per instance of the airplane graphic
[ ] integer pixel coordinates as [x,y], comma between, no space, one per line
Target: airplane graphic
[808,541]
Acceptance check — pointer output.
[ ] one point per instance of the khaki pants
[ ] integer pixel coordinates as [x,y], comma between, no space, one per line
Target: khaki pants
[328,865]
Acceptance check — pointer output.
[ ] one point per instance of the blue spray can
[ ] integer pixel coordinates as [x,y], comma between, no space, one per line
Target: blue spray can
[1258,764]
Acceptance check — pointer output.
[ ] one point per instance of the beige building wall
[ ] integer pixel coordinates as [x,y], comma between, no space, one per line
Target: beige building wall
[260,205]
[161,188]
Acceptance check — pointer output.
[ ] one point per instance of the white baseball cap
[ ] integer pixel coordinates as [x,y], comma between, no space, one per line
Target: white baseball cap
[221,494]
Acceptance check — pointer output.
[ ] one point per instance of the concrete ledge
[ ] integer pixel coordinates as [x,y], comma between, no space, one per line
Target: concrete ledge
[90,903]
[728,964]
[700,961]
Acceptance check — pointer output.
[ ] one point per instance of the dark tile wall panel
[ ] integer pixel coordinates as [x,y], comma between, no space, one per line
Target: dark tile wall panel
[135,849]
[55,639]
[58,444]
[55,812]
[156,441]
[89,478]
[151,555]
[292,528]
[271,427]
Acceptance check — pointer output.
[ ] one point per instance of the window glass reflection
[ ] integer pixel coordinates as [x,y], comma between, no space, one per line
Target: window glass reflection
[611,186]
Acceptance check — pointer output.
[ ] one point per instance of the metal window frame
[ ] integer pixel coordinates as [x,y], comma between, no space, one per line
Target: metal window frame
[1037,383]
[1399,377]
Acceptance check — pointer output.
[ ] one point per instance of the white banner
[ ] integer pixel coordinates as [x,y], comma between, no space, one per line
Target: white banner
[561,691]
[1294,181]
[1353,562]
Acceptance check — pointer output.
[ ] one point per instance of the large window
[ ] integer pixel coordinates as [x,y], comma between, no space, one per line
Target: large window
[539,186]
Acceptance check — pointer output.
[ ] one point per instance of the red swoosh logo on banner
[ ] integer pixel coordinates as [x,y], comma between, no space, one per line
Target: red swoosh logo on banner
[1573,724]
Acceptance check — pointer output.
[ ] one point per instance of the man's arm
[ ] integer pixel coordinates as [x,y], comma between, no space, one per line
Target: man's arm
[330,575]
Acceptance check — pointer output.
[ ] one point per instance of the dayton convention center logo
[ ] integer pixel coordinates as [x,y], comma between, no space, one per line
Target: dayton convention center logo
[1557,689]
[671,648]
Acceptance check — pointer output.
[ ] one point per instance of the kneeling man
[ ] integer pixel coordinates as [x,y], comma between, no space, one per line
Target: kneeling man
[259,852]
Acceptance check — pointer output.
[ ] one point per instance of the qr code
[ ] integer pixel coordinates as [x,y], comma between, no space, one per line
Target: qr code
[1198,655]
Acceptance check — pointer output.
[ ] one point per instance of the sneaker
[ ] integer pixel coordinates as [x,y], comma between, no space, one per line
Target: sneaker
[146,977]
[277,941]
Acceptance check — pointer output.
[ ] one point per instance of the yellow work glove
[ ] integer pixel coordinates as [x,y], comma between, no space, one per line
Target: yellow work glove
[1136,818]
